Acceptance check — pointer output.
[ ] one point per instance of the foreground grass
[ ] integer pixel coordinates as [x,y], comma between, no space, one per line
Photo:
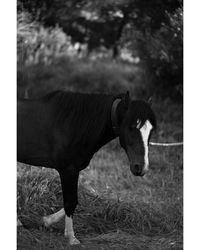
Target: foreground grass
[116,210]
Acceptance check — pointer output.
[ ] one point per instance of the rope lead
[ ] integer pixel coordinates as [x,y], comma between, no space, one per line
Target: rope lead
[166,144]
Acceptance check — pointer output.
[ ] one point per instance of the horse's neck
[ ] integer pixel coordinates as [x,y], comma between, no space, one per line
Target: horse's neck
[107,135]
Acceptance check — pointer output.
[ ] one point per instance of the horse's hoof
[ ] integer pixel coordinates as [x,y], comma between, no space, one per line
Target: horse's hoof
[73,241]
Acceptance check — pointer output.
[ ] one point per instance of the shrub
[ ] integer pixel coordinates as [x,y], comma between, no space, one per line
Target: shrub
[164,56]
[36,44]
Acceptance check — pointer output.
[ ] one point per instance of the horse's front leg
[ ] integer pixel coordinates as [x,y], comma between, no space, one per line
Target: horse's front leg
[69,182]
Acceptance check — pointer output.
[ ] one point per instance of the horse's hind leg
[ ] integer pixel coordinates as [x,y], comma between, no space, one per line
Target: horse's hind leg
[53,218]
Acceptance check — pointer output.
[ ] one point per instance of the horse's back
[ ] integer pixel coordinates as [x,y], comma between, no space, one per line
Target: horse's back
[60,126]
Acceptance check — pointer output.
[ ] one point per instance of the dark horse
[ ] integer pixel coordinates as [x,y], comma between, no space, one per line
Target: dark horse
[63,131]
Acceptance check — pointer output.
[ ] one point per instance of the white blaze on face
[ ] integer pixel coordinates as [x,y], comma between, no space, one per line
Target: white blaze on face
[145,131]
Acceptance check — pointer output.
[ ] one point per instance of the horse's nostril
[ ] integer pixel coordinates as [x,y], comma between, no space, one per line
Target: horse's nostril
[136,169]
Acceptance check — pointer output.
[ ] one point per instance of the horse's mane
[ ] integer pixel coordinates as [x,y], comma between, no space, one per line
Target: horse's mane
[89,113]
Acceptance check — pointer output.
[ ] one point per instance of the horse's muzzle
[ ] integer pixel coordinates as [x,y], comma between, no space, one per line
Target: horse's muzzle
[138,170]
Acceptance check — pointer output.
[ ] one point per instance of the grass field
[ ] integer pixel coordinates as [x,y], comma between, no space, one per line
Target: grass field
[116,209]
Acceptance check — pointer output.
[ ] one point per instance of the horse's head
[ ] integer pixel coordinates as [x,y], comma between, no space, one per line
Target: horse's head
[136,123]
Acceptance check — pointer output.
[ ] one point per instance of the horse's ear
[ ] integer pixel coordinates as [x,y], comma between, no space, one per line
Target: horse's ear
[125,98]
[150,101]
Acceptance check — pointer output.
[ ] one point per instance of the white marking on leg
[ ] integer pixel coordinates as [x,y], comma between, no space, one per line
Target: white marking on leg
[69,226]
[145,131]
[53,218]
[69,231]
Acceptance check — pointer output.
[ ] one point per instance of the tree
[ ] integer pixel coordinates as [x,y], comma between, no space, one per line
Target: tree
[152,29]
[101,23]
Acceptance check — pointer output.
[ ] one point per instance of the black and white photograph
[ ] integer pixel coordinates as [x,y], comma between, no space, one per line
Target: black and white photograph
[99,125]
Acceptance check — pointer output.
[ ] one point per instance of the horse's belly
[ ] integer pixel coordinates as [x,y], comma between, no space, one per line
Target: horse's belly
[33,150]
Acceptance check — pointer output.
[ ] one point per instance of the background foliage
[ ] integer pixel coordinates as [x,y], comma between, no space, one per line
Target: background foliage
[142,33]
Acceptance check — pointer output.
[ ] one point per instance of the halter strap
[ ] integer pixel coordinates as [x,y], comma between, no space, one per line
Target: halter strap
[114,119]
